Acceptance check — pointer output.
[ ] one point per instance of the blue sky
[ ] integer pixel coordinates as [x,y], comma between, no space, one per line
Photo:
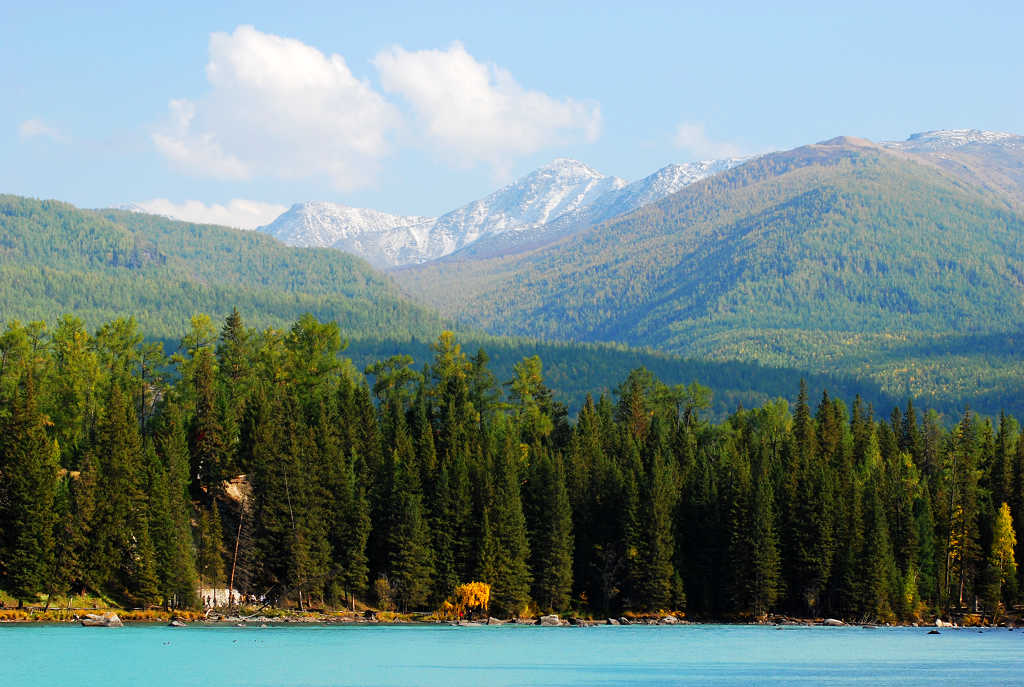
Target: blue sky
[417,108]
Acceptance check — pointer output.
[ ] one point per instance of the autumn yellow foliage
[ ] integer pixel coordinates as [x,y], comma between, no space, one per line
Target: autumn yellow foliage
[468,598]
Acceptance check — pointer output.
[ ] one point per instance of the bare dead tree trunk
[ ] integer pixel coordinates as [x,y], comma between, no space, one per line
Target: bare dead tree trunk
[238,538]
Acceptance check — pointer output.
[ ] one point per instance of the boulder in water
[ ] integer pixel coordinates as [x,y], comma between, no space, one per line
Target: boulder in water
[669,620]
[105,620]
[550,621]
[832,622]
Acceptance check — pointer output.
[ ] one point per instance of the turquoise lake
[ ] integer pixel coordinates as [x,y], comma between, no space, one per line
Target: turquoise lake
[309,656]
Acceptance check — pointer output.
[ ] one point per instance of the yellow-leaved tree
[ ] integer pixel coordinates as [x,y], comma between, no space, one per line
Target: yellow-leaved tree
[469,598]
[1001,564]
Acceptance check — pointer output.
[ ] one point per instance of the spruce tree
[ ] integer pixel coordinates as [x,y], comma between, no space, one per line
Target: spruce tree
[161,523]
[28,464]
[764,582]
[207,443]
[117,547]
[352,547]
[211,552]
[510,587]
[924,521]
[444,535]
[657,576]
[880,575]
[409,558]
[179,578]
[549,518]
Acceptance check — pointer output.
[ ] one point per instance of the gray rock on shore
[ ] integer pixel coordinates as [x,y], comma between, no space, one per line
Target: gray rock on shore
[106,620]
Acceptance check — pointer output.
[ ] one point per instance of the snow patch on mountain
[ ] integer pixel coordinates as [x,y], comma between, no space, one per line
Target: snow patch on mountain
[619,201]
[394,240]
[553,201]
[663,183]
[944,139]
[321,224]
[553,190]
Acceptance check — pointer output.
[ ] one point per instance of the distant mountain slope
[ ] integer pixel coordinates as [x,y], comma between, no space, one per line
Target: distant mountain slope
[56,258]
[800,258]
[619,201]
[378,237]
[991,159]
[560,187]
[98,265]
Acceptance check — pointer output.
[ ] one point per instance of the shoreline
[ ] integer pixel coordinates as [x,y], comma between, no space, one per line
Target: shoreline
[280,618]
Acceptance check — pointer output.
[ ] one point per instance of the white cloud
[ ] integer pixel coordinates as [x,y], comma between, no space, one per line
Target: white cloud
[478,112]
[280,108]
[692,137]
[238,213]
[196,151]
[36,128]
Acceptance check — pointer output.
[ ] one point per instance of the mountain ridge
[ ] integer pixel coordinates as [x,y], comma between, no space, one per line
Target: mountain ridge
[545,205]
[561,186]
[804,257]
[568,196]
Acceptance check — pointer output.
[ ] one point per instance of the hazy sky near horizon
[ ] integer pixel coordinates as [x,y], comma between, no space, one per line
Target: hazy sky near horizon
[229,113]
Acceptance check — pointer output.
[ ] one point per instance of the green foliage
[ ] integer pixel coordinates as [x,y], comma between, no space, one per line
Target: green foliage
[311,490]
[549,520]
[28,462]
[55,257]
[838,257]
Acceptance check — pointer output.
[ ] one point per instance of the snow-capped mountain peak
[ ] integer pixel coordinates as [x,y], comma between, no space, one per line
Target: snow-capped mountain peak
[561,186]
[566,167]
[322,224]
[617,201]
[674,178]
[555,199]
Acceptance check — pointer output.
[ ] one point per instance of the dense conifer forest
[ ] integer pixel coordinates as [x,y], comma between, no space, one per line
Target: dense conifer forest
[268,461]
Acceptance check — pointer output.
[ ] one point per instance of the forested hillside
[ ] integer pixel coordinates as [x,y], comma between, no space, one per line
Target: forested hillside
[574,371]
[832,257]
[123,478]
[55,258]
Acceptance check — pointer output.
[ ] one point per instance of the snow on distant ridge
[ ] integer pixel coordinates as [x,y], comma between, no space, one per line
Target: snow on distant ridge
[954,138]
[652,188]
[674,178]
[392,240]
[619,201]
[559,198]
[322,224]
[557,188]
